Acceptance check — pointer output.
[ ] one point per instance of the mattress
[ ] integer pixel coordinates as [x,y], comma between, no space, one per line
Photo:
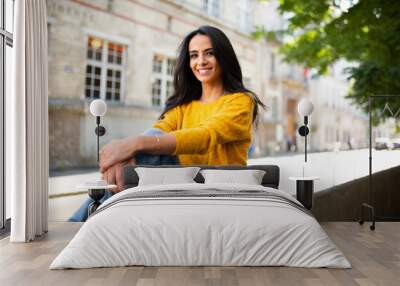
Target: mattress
[201,225]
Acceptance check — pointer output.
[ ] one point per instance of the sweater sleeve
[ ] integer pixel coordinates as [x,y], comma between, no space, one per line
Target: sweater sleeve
[169,122]
[232,122]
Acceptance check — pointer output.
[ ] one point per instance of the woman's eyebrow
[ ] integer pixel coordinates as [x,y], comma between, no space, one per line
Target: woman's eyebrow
[196,51]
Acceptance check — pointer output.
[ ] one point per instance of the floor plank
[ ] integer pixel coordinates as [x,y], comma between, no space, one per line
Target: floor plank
[375,257]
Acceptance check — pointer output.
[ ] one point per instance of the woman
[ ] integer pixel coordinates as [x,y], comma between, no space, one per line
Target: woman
[207,121]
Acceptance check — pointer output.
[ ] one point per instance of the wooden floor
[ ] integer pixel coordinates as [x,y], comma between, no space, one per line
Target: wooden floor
[374,255]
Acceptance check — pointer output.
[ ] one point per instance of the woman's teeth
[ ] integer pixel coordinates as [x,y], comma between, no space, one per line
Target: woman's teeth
[203,71]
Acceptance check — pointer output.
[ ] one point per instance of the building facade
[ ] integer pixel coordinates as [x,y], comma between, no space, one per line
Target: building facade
[285,85]
[123,51]
[335,123]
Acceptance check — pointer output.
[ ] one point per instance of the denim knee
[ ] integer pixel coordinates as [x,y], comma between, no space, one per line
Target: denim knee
[152,159]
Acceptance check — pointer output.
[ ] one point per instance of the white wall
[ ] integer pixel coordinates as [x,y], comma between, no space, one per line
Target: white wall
[333,168]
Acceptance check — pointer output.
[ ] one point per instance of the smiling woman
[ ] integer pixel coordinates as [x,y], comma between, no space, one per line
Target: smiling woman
[208,119]
[204,64]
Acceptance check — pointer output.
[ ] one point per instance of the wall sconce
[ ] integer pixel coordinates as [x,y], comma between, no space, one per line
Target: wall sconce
[305,108]
[305,185]
[96,189]
[98,108]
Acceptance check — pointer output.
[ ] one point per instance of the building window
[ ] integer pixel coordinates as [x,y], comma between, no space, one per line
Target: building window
[274,108]
[162,83]
[157,64]
[272,68]
[244,16]
[156,93]
[327,134]
[169,24]
[211,7]
[104,69]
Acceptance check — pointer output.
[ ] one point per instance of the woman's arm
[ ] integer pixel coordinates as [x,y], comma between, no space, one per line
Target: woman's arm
[231,123]
[124,149]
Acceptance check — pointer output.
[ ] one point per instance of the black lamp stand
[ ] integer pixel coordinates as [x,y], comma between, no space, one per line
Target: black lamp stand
[97,194]
[305,188]
[371,194]
[303,131]
[100,131]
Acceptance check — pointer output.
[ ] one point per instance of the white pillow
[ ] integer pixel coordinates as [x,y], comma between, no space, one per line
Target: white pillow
[163,176]
[248,177]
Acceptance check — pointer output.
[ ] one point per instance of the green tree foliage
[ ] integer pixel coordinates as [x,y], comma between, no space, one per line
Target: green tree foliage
[366,32]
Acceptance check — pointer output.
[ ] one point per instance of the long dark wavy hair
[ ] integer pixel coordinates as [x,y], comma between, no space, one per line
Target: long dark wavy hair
[187,87]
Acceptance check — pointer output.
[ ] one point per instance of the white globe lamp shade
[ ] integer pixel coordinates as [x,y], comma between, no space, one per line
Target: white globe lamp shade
[98,107]
[305,107]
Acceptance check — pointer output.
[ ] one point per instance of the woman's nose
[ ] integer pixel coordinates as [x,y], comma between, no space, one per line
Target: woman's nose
[202,60]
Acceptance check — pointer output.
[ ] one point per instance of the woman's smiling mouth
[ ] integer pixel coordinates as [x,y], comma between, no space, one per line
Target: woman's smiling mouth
[204,71]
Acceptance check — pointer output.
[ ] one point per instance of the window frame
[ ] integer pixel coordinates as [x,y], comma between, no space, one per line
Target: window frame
[6,39]
[244,15]
[212,7]
[104,65]
[164,76]
[272,66]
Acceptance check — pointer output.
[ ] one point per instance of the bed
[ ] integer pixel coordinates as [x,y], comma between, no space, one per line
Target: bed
[198,224]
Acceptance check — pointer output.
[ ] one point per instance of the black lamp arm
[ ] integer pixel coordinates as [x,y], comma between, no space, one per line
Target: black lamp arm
[305,139]
[100,131]
[98,141]
[303,131]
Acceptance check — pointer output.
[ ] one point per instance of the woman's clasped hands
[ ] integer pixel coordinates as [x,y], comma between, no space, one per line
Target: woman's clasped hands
[114,156]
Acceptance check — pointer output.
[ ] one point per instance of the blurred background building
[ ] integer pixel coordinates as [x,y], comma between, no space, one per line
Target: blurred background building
[336,124]
[124,51]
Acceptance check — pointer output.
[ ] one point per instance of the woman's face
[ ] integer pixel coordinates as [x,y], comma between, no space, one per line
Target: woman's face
[203,62]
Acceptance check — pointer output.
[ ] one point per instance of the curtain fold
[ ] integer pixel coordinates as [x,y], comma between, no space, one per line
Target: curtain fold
[28,123]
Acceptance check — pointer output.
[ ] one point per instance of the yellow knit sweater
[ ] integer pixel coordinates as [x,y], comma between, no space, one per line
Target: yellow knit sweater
[215,133]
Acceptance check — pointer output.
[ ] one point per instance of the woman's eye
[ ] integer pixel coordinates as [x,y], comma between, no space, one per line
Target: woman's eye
[210,53]
[193,56]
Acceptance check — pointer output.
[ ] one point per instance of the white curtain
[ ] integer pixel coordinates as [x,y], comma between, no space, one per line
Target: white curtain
[27,123]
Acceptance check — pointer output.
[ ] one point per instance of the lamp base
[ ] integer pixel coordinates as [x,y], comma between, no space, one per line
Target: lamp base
[96,195]
[372,211]
[305,192]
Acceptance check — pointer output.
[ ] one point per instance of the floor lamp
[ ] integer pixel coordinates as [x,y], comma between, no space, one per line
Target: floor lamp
[96,189]
[98,108]
[370,204]
[305,185]
[305,108]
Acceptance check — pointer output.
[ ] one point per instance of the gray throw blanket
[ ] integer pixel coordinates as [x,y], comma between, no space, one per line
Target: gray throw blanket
[205,194]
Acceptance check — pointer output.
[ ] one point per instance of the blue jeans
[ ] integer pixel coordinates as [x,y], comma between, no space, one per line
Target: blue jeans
[141,159]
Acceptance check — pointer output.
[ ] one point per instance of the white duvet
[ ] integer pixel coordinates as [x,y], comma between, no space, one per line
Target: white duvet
[185,230]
